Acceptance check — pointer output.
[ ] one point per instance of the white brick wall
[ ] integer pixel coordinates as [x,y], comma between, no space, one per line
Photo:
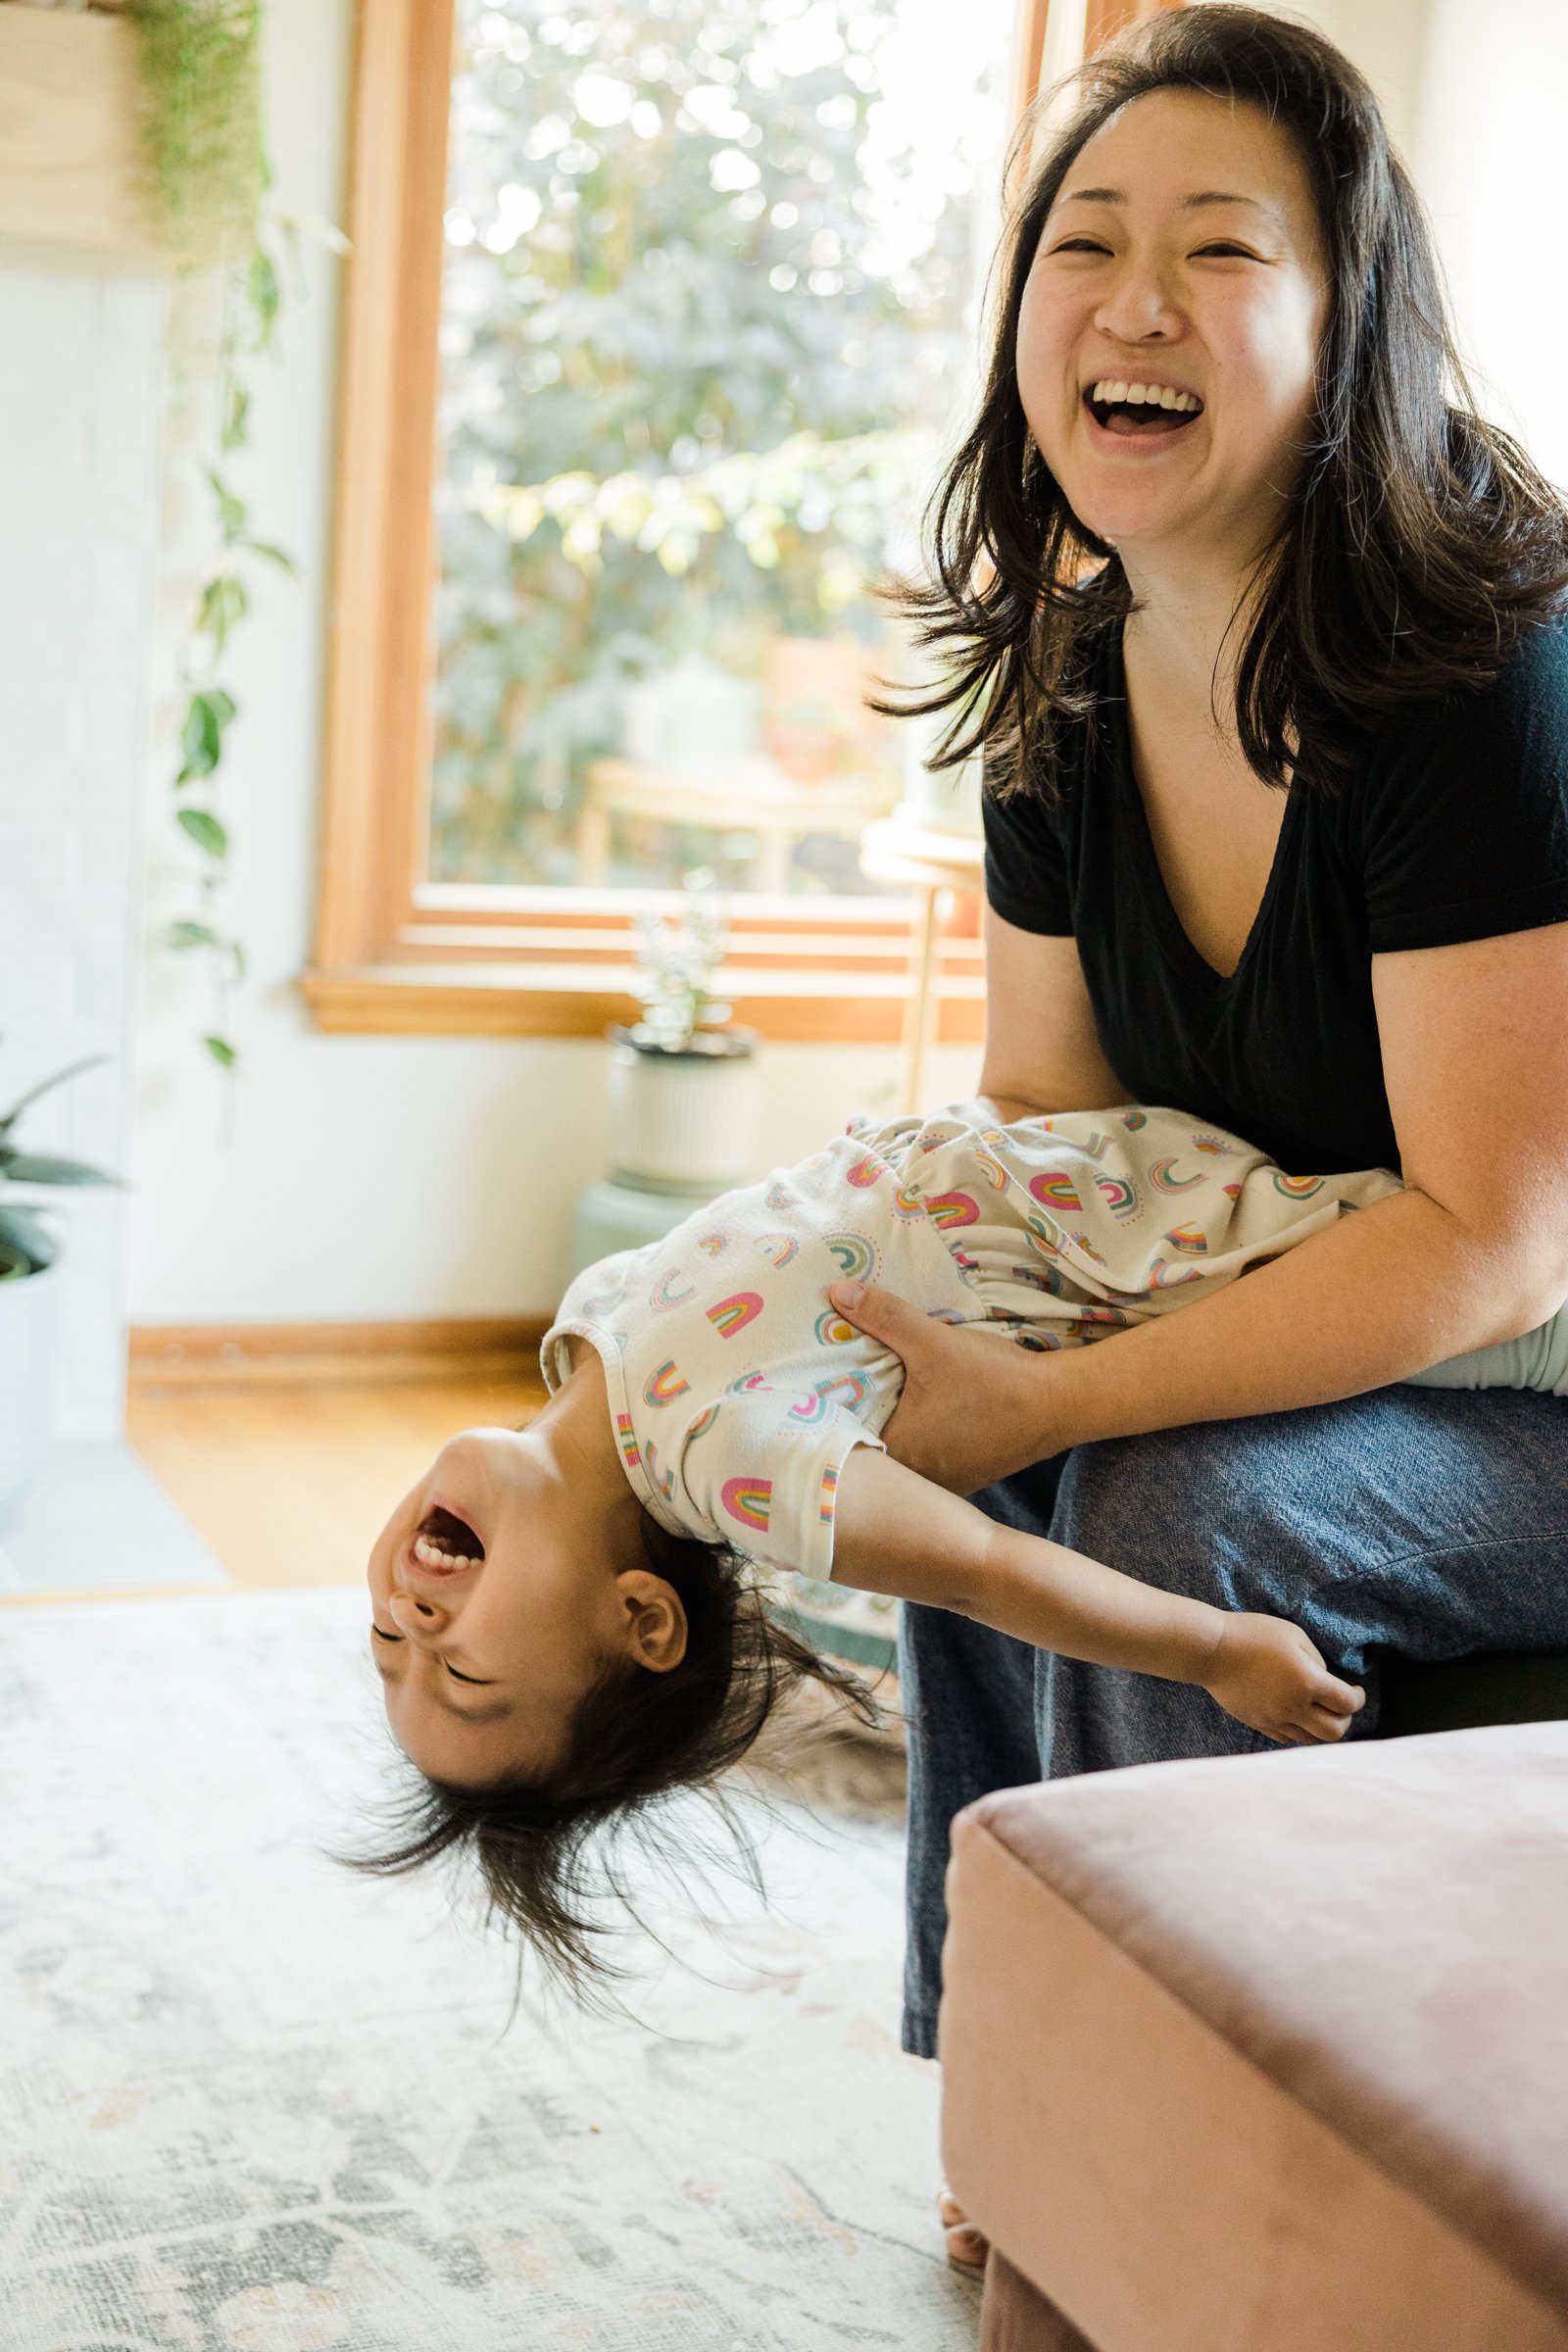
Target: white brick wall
[80,406]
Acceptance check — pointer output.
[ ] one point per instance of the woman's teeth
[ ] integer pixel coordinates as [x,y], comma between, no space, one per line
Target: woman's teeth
[431,1556]
[1113,390]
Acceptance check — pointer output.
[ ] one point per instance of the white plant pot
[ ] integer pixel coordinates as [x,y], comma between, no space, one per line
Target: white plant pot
[681,1122]
[30,1315]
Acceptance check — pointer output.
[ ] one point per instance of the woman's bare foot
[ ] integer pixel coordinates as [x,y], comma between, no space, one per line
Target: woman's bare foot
[967,2247]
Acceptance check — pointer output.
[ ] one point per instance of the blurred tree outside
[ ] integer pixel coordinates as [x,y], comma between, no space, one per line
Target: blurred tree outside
[709,300]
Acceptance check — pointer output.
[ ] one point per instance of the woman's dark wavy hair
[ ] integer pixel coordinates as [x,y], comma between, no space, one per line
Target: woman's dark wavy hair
[1420,541]
[548,1848]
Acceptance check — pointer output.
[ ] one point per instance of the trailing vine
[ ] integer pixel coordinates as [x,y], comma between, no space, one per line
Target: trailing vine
[206,178]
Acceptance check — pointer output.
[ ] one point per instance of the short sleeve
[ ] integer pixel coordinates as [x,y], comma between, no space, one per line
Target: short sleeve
[761,1470]
[1465,827]
[1026,865]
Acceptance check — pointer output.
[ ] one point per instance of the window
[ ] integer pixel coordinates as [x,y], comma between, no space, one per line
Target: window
[657,316]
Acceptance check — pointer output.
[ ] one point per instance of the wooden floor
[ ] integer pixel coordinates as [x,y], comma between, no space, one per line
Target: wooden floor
[290,1481]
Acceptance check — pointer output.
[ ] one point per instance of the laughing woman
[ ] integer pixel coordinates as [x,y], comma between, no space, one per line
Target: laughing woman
[1259,624]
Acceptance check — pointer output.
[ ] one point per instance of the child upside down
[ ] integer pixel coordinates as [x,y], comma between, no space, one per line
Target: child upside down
[567,1617]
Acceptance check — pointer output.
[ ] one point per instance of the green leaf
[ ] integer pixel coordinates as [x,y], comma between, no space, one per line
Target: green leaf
[26,1241]
[223,603]
[188,934]
[237,418]
[222,1053]
[47,1167]
[273,555]
[266,294]
[205,831]
[207,715]
[237,958]
[232,512]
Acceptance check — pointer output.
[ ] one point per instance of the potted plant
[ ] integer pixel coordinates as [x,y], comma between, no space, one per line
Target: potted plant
[683,1099]
[29,1292]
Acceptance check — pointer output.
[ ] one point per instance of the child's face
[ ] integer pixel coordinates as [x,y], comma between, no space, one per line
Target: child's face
[491,1615]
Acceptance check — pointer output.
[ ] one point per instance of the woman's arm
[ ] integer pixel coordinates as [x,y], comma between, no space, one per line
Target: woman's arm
[895,1533]
[1042,1052]
[1475,1048]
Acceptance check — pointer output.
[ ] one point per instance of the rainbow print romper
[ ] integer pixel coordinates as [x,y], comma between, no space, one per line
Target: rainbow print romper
[738,1393]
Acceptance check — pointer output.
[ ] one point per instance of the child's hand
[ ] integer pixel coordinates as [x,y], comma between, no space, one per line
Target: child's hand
[1267,1673]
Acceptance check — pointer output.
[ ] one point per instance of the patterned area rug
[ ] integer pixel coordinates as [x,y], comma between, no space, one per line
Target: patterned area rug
[250,2104]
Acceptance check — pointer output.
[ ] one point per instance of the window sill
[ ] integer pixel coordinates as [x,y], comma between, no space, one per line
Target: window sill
[515,999]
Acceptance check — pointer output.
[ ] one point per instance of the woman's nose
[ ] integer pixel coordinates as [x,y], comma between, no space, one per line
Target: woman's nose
[415,1617]
[1138,308]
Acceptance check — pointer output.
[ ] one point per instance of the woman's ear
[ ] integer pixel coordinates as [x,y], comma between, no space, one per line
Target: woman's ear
[653,1621]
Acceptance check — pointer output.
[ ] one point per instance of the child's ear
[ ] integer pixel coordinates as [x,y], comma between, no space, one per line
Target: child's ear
[652,1619]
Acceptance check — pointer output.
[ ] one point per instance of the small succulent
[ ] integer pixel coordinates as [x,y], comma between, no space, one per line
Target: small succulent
[676,967]
[27,1246]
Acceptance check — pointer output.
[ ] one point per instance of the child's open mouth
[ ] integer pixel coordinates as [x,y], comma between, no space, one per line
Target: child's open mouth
[1142,411]
[443,1544]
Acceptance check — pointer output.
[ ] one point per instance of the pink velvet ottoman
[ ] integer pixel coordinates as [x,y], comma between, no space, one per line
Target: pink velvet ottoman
[1270,2054]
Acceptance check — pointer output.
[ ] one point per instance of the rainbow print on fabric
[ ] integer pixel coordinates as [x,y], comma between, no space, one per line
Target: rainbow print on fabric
[665,1385]
[907,1203]
[628,1444]
[828,1502]
[846,1389]
[810,1409]
[1057,1191]
[855,1254]
[992,1170]
[750,1384]
[703,1424]
[1161,1177]
[1297,1187]
[747,1501]
[944,1314]
[732,1314]
[1163,1276]
[662,1296]
[863,1175]
[777,1248]
[1219,1145]
[831,1329]
[711,1243]
[1232,1191]
[1190,1238]
[662,1480]
[1132,1120]
[947,1210]
[1041,1237]
[1085,1248]
[1119,1197]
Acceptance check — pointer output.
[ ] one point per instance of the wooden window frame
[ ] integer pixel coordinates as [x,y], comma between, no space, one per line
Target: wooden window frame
[395,954]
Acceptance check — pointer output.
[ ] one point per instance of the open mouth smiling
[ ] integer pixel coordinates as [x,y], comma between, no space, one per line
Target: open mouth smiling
[444,1545]
[1132,408]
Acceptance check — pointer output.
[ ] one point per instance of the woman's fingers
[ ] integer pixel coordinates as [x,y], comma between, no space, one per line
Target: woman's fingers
[881,1314]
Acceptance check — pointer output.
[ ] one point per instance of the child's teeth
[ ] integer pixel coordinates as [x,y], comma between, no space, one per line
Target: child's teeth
[430,1555]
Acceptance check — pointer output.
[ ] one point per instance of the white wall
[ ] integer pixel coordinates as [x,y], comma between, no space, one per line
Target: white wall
[81,408]
[384,1177]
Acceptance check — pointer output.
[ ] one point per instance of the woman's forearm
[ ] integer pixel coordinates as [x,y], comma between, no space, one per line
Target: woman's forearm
[1387,1292]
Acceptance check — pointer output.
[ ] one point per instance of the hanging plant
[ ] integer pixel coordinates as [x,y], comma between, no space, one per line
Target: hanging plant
[206,177]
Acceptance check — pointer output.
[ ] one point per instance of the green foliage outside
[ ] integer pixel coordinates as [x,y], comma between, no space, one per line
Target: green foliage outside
[707,311]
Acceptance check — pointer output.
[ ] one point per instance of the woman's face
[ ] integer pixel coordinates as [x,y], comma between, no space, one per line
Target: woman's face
[1182,255]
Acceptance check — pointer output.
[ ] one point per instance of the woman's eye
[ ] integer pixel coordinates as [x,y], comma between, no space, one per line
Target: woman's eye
[1221,246]
[462,1678]
[382,1636]
[1080,245]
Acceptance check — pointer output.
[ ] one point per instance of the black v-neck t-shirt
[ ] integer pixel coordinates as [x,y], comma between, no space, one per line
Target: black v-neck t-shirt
[1453,828]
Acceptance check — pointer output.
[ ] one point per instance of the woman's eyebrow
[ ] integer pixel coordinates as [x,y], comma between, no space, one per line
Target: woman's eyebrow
[1189,202]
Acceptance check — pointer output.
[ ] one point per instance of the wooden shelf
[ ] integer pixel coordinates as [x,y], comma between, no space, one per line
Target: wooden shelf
[70,169]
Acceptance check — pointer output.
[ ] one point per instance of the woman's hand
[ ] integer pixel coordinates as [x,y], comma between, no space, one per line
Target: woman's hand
[1267,1673]
[975,1408]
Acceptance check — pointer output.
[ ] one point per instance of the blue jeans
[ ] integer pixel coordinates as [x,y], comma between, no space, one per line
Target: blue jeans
[1432,1523]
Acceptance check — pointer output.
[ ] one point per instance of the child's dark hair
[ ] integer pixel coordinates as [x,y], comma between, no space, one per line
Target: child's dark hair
[545,1846]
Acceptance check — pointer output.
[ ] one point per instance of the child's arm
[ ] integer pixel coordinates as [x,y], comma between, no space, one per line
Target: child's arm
[894,1531]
